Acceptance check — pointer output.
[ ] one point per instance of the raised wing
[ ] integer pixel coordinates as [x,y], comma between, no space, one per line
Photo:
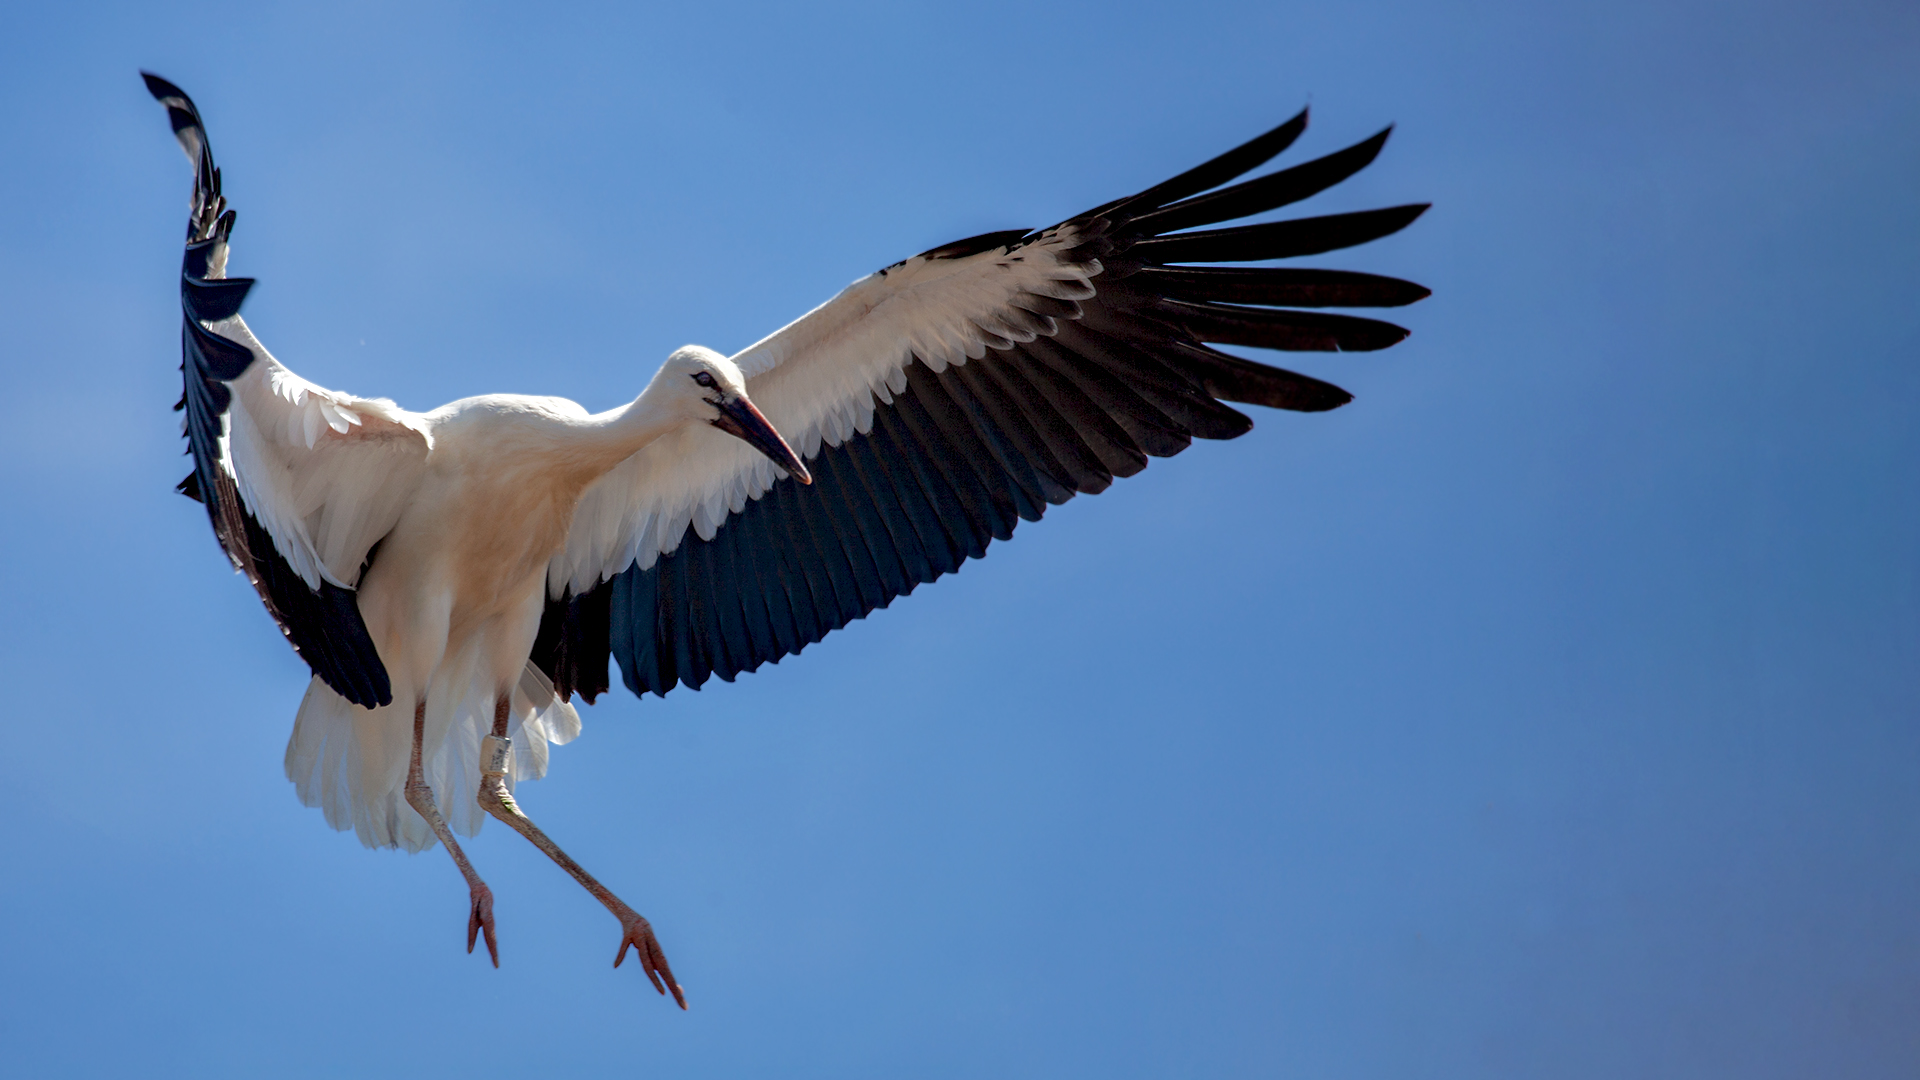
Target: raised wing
[946,397]
[300,482]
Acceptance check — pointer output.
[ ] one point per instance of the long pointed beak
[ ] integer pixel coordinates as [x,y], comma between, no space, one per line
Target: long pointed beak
[741,420]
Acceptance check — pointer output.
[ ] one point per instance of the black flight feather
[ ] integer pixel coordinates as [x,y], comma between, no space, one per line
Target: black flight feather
[323,625]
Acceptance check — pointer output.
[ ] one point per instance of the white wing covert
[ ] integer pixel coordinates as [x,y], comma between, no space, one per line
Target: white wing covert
[325,473]
[818,381]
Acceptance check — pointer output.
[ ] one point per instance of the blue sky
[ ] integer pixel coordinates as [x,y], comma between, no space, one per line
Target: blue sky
[1548,711]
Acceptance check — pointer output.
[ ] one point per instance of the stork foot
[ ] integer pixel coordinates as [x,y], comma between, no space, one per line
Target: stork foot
[635,931]
[480,921]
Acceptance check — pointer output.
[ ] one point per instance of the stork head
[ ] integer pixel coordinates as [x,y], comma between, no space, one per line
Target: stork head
[710,388]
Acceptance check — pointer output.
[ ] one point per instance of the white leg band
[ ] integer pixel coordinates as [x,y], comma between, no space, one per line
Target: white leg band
[496,755]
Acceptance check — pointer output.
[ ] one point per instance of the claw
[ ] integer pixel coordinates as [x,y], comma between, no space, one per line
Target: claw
[480,920]
[638,933]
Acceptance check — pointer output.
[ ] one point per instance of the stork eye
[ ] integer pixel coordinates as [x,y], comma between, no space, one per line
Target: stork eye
[704,379]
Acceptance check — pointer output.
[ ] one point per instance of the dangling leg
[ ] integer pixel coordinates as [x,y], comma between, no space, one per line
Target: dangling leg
[635,931]
[420,797]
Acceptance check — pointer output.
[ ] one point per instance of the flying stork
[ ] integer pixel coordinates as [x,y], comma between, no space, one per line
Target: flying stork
[476,566]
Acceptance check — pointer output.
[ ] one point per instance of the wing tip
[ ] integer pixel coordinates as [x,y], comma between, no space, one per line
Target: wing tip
[160,88]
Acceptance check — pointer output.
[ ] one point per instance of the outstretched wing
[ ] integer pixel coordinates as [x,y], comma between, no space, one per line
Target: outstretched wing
[946,397]
[300,482]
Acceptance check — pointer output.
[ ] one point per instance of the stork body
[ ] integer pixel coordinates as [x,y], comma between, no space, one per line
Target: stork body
[455,577]
[482,494]
[465,565]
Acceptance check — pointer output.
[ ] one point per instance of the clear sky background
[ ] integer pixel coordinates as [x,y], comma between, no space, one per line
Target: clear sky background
[1549,711]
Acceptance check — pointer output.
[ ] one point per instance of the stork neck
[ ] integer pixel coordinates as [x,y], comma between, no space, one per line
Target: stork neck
[606,439]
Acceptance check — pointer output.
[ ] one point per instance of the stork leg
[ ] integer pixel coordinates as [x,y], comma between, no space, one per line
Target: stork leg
[420,797]
[635,931]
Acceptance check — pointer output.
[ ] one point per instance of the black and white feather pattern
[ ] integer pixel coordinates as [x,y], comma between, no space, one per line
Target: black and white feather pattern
[299,482]
[946,398]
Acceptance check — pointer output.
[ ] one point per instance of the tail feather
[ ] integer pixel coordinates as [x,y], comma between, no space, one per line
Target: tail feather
[351,762]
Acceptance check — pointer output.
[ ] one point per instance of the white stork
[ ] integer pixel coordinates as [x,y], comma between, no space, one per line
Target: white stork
[476,566]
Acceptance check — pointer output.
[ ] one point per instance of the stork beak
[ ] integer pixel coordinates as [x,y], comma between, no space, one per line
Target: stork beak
[741,420]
